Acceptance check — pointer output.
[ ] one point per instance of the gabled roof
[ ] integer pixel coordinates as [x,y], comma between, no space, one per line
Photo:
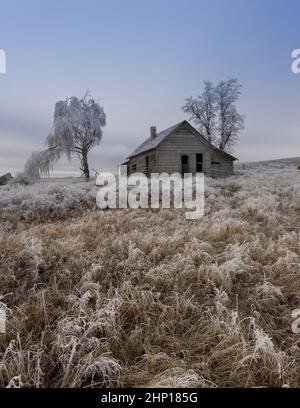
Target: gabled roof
[153,142]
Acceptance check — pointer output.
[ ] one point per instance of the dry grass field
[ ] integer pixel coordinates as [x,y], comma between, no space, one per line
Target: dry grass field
[146,298]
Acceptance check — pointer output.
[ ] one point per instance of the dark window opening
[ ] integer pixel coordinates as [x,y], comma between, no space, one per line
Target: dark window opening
[199,162]
[133,167]
[214,162]
[147,170]
[184,164]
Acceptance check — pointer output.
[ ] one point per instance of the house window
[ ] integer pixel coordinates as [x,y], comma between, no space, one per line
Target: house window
[133,167]
[184,163]
[199,162]
[147,162]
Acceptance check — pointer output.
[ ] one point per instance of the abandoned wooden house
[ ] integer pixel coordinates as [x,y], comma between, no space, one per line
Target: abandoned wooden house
[182,149]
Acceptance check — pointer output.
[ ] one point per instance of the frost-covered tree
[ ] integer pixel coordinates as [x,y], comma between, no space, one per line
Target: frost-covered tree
[230,122]
[77,128]
[41,162]
[215,114]
[202,111]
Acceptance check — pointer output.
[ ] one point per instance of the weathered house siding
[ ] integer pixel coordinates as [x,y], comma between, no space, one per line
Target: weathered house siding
[221,166]
[179,143]
[138,163]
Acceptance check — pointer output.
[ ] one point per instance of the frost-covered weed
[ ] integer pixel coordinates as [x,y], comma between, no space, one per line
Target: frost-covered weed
[269,291]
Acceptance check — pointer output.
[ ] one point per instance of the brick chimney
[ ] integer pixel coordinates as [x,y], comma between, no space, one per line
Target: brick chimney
[153,132]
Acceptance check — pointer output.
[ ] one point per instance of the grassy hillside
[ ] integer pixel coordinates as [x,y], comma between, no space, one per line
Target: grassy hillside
[281,163]
[144,297]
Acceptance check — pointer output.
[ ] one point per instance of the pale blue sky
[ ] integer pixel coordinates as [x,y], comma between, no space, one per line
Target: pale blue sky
[141,59]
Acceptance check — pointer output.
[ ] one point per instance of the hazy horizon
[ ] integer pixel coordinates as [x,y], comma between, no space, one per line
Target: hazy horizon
[141,60]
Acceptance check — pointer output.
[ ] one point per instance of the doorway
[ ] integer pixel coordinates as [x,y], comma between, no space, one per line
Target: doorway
[184,163]
[199,162]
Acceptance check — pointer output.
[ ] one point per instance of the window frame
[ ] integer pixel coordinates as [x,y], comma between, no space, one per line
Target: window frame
[198,162]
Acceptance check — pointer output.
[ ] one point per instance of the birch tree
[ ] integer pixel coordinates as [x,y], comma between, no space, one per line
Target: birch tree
[202,111]
[215,114]
[77,129]
[230,122]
